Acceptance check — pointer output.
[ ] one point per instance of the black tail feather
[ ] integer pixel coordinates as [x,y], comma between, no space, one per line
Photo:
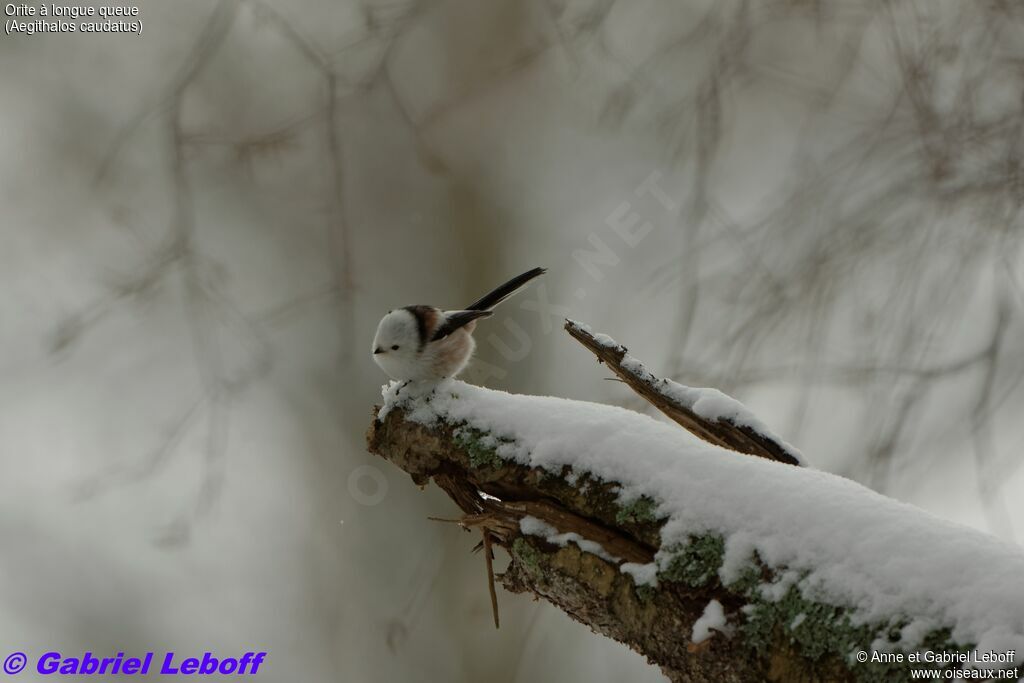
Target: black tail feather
[489,301]
[453,320]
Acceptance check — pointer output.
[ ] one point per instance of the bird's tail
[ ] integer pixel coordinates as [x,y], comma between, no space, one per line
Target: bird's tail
[492,299]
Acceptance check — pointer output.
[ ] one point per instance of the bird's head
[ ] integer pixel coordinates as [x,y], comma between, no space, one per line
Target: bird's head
[396,344]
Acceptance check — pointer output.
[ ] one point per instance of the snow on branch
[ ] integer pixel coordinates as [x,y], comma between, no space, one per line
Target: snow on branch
[714,565]
[707,413]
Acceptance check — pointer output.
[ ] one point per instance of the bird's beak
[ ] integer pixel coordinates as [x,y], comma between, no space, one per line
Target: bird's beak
[378,350]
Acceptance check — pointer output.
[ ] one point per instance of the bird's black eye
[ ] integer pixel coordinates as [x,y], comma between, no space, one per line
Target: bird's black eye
[395,347]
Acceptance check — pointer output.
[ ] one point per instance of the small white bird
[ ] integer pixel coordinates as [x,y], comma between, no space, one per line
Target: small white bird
[426,343]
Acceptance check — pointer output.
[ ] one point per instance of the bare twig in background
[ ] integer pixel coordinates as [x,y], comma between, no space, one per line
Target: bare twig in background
[876,246]
[208,308]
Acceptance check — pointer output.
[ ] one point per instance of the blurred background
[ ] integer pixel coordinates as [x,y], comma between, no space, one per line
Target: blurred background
[812,205]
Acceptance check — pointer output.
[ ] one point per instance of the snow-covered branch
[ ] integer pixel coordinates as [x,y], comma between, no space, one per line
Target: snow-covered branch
[707,413]
[714,565]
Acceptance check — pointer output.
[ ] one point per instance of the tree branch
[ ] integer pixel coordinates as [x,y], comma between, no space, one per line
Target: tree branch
[657,622]
[576,542]
[736,430]
[496,495]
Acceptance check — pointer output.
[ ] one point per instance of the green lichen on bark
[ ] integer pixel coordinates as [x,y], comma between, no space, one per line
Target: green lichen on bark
[637,511]
[529,556]
[645,593]
[578,491]
[697,562]
[820,630]
[481,447]
[816,630]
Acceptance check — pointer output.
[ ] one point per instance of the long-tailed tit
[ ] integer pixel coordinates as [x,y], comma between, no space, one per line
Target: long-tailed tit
[426,343]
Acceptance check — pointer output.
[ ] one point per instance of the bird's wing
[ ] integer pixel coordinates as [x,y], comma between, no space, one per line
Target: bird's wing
[453,320]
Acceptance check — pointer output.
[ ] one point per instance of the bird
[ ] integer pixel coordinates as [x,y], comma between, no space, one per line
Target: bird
[425,343]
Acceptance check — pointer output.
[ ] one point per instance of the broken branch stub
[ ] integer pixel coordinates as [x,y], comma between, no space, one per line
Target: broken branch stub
[679,402]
